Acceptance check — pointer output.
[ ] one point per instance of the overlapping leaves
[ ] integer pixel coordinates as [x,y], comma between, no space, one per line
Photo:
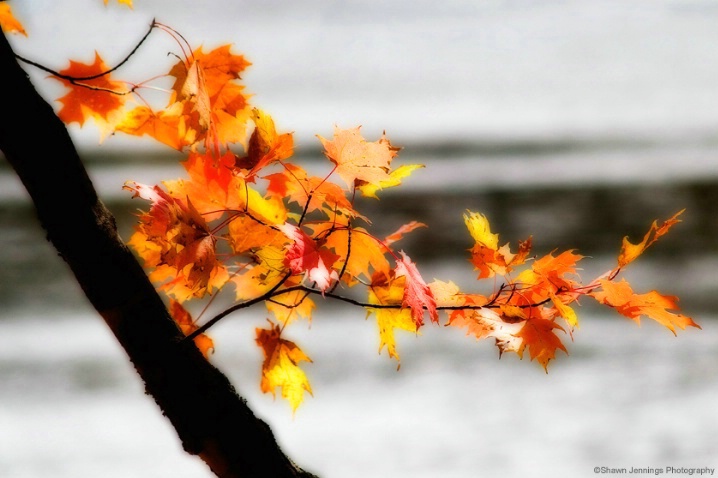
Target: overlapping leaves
[247,217]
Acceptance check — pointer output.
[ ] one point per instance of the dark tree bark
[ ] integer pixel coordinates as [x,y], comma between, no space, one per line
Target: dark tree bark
[210,418]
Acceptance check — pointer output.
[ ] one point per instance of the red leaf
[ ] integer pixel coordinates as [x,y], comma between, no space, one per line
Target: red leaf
[417,295]
[304,256]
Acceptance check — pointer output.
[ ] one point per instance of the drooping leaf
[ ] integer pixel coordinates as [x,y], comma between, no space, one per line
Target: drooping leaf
[281,366]
[539,336]
[389,290]
[417,294]
[653,305]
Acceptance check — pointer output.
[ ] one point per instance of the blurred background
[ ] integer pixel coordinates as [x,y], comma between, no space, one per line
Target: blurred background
[577,122]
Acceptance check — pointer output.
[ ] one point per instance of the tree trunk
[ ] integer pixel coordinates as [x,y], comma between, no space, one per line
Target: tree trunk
[210,418]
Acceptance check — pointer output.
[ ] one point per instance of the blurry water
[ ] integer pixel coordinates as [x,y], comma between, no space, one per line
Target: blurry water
[576,121]
[626,396]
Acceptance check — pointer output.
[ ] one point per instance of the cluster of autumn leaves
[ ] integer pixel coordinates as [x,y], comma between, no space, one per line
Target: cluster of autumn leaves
[249,219]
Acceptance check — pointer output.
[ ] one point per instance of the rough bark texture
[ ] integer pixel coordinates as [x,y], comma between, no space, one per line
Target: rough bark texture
[210,418]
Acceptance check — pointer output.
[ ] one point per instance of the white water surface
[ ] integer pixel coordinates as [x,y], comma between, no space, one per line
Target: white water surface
[421,70]
[626,396]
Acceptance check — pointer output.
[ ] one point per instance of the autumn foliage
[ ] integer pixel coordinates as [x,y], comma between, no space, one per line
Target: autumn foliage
[248,219]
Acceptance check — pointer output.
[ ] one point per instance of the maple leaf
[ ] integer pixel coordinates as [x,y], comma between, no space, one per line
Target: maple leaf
[629,252]
[417,294]
[96,97]
[280,367]
[357,160]
[311,192]
[182,240]
[247,234]
[486,255]
[490,323]
[538,335]
[212,185]
[166,126]
[184,320]
[304,256]
[389,290]
[363,254]
[8,22]
[266,270]
[653,305]
[265,145]
[548,275]
[215,108]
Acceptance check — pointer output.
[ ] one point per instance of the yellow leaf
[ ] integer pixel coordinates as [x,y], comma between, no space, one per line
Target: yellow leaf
[629,251]
[395,177]
[280,367]
[390,292]
[480,230]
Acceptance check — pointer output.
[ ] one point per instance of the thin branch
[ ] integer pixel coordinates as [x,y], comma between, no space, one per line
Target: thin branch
[274,291]
[76,80]
[243,305]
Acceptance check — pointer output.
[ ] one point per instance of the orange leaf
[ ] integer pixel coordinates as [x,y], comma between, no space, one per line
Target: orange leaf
[486,255]
[311,192]
[165,126]
[182,240]
[8,22]
[187,325]
[399,233]
[265,145]
[365,256]
[280,367]
[629,252]
[216,107]
[653,305]
[214,188]
[264,273]
[540,338]
[359,161]
[96,97]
